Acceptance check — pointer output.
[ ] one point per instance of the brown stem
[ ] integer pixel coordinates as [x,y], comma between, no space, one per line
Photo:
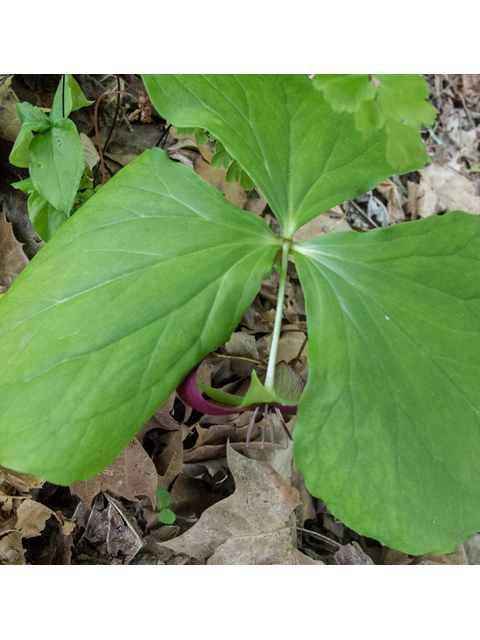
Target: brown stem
[110,93]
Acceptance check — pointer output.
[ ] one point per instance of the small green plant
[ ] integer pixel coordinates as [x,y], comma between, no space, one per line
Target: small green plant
[166,516]
[158,269]
[60,180]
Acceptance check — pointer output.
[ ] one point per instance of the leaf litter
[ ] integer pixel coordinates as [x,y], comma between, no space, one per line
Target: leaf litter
[233,504]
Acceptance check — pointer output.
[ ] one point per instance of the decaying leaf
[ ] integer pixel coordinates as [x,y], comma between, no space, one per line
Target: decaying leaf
[446,189]
[249,527]
[9,121]
[328,222]
[456,557]
[351,554]
[11,549]
[130,475]
[31,518]
[110,529]
[395,201]
[12,257]
[472,549]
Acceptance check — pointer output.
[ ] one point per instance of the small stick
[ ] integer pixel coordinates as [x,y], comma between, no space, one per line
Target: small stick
[318,535]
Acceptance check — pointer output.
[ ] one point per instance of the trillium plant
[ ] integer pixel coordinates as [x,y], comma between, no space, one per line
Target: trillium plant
[157,269]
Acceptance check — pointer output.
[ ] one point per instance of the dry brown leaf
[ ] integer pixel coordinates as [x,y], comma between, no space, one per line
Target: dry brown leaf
[395,201]
[472,548]
[208,452]
[160,420]
[446,189]
[11,549]
[290,343]
[256,204]
[241,344]
[249,527]
[351,554]
[456,557]
[471,87]
[170,461]
[189,498]
[12,257]
[9,121]
[31,518]
[131,474]
[328,222]
[109,529]
[23,482]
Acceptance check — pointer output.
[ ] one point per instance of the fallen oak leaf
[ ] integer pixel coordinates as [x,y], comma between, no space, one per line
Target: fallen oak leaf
[249,527]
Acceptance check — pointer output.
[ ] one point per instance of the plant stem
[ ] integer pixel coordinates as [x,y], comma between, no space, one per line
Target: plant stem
[270,377]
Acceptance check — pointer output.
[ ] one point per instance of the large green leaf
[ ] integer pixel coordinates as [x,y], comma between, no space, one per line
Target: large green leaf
[304,157]
[57,163]
[155,271]
[388,428]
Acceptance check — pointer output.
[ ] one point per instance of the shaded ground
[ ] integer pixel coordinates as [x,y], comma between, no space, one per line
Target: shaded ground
[256,507]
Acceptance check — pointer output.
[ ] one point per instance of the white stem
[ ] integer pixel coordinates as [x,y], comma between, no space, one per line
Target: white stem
[270,377]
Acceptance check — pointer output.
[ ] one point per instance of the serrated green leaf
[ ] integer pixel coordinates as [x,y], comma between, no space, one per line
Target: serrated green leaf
[345,92]
[46,220]
[57,164]
[404,96]
[166,516]
[234,173]
[404,143]
[369,118]
[163,497]
[304,157]
[105,322]
[388,427]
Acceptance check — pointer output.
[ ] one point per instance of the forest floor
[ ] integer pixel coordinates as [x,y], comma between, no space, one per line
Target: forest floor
[227,498]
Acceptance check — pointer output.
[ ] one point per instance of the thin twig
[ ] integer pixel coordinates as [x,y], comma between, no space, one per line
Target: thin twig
[222,355]
[292,364]
[115,116]
[318,535]
[365,215]
[108,93]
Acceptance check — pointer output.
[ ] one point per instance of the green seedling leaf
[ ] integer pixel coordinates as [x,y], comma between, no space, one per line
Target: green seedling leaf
[163,497]
[32,119]
[166,516]
[109,317]
[57,164]
[46,220]
[304,157]
[388,427]
[68,100]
